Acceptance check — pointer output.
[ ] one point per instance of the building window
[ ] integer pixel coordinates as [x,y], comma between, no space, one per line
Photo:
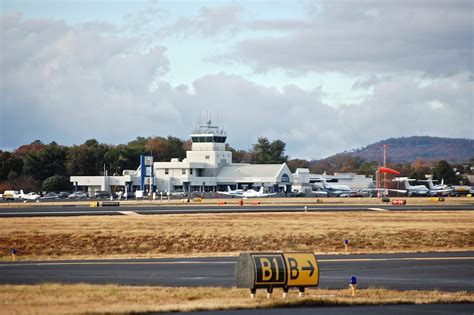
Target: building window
[191,171]
[183,171]
[207,157]
[167,171]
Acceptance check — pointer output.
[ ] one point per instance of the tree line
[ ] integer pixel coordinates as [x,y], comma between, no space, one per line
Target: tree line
[39,166]
[33,165]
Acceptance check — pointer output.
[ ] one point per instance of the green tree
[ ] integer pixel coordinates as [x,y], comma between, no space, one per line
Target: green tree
[85,159]
[269,153]
[45,163]
[57,183]
[9,164]
[444,171]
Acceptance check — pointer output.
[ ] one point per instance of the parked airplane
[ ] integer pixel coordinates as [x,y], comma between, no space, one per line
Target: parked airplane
[436,190]
[231,192]
[416,190]
[335,190]
[249,193]
[32,196]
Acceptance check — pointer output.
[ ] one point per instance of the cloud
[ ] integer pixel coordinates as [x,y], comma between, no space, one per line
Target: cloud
[60,82]
[209,22]
[70,84]
[432,37]
[313,129]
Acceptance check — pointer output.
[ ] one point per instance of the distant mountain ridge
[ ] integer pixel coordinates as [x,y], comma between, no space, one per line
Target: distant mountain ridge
[409,149]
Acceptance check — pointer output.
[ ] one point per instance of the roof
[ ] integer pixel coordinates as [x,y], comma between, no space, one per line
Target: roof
[250,170]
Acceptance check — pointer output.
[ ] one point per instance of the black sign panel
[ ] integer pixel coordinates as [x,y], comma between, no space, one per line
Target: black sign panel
[269,269]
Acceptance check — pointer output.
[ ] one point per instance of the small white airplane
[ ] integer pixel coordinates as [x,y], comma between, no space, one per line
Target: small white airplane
[32,196]
[436,190]
[249,193]
[416,190]
[231,192]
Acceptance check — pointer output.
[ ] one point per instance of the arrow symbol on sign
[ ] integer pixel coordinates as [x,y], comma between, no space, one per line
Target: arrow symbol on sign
[310,268]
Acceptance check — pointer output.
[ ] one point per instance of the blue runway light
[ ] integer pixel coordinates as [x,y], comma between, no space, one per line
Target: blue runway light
[353,280]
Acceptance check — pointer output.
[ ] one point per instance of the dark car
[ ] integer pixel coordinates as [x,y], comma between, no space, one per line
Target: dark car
[49,196]
[101,194]
[63,194]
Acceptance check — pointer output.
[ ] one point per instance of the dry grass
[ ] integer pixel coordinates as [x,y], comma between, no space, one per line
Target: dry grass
[203,234]
[85,298]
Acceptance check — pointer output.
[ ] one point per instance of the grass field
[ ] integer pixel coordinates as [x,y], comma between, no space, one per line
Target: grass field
[224,234]
[86,298]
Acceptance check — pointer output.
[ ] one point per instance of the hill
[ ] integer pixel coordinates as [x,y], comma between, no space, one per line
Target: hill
[409,149]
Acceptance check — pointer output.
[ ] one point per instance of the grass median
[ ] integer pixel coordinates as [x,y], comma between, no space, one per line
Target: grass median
[229,234]
[87,298]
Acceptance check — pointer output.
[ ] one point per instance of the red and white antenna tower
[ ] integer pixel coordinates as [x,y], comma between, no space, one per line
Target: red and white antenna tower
[385,146]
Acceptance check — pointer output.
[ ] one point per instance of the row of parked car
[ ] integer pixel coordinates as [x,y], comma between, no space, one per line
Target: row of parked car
[32,196]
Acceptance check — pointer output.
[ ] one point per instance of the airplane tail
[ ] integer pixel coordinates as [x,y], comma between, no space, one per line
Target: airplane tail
[407,183]
[22,193]
[228,189]
[323,183]
[261,190]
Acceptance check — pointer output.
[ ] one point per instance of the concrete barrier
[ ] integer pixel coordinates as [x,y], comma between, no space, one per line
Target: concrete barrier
[110,203]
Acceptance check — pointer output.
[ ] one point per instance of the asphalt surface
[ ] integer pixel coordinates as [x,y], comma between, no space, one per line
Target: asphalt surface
[72,210]
[449,271]
[420,309]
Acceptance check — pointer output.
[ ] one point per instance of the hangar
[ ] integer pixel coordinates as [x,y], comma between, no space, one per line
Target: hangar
[207,167]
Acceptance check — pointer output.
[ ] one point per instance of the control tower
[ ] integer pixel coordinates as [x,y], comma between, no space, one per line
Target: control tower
[208,146]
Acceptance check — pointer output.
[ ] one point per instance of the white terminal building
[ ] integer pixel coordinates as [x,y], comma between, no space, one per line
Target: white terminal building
[207,167]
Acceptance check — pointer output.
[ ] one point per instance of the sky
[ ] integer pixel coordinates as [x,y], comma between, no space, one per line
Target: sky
[322,76]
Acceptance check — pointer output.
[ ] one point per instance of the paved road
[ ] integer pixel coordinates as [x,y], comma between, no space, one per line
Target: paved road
[430,309]
[71,210]
[450,271]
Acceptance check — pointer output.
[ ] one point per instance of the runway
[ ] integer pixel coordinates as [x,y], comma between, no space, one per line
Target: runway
[72,210]
[447,271]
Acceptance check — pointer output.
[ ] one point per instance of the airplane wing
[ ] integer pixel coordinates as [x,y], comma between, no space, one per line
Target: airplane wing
[230,194]
[383,189]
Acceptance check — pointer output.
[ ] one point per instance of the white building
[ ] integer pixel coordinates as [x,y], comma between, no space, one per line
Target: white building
[207,167]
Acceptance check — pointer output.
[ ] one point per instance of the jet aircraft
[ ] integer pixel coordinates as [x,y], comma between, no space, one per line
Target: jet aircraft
[436,190]
[416,190]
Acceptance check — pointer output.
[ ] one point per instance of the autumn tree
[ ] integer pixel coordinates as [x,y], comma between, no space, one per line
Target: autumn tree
[297,163]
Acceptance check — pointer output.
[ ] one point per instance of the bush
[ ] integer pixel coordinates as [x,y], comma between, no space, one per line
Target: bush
[57,183]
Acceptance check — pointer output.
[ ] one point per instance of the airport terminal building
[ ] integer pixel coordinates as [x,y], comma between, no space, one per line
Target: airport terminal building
[207,167]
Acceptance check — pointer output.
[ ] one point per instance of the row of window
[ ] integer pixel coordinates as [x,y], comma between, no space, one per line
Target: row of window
[183,171]
[208,139]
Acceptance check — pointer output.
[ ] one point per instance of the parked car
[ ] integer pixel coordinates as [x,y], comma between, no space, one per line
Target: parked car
[63,194]
[102,194]
[77,195]
[11,195]
[49,196]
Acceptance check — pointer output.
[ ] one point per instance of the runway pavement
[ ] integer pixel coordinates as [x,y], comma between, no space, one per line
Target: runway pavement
[447,271]
[72,210]
[414,309]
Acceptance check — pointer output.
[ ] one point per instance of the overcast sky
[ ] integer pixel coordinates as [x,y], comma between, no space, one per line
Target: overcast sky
[323,76]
